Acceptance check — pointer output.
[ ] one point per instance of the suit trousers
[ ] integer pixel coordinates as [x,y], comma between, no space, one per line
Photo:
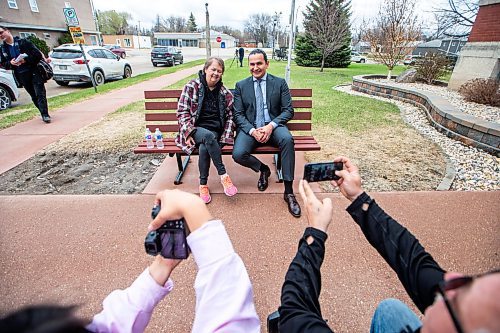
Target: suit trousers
[208,148]
[300,310]
[35,86]
[281,137]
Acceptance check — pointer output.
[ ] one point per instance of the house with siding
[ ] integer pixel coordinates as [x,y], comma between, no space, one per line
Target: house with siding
[46,20]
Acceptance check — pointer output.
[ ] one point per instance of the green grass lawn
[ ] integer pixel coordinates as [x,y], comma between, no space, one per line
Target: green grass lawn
[331,108]
[22,113]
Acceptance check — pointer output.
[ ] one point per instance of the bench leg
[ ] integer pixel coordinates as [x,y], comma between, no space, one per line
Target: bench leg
[277,163]
[181,165]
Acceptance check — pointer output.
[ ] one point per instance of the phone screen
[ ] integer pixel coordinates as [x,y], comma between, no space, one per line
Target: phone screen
[317,172]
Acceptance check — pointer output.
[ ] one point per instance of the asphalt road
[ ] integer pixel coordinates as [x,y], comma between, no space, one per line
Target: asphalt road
[138,59]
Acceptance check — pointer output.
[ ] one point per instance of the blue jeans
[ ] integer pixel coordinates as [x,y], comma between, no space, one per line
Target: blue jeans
[393,315]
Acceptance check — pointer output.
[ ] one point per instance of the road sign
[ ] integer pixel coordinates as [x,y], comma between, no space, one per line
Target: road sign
[219,39]
[77,34]
[71,18]
[223,45]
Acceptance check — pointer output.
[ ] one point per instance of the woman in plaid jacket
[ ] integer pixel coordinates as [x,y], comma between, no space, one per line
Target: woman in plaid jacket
[205,116]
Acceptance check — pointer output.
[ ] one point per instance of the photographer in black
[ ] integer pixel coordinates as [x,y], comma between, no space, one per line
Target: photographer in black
[451,302]
[25,69]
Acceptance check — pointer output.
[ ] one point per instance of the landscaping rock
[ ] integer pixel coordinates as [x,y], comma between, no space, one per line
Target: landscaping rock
[408,76]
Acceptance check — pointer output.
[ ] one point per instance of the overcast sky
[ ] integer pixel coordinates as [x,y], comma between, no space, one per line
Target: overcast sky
[234,12]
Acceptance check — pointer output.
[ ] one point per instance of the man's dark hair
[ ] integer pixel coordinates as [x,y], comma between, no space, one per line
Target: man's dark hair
[258,51]
[43,319]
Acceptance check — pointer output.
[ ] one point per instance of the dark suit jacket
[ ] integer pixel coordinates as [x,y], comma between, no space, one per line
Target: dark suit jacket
[279,102]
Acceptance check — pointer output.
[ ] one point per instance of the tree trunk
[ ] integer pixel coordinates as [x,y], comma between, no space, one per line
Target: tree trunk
[322,63]
[389,74]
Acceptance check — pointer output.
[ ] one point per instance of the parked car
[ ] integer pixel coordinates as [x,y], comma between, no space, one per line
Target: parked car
[8,89]
[117,49]
[411,59]
[69,65]
[356,57]
[167,55]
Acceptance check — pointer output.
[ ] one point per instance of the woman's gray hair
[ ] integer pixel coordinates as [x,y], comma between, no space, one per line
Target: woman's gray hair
[211,60]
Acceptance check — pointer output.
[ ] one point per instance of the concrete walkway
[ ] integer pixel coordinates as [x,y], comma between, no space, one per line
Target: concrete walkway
[20,142]
[77,249]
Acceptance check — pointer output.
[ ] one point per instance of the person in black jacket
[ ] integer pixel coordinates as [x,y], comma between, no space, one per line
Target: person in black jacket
[25,70]
[451,302]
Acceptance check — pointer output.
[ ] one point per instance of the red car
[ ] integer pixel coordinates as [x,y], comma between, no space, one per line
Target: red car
[116,49]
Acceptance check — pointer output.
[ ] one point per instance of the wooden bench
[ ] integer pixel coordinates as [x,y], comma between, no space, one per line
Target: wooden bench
[166,120]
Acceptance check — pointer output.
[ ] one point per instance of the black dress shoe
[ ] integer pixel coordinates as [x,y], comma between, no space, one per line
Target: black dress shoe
[46,119]
[293,205]
[263,182]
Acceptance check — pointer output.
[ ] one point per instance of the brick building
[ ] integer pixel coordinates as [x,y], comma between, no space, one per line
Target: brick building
[45,19]
[480,57]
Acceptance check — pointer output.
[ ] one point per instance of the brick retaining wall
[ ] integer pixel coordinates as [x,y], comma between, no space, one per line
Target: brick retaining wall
[443,116]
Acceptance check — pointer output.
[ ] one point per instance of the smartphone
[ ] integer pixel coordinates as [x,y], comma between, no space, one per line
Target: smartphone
[318,172]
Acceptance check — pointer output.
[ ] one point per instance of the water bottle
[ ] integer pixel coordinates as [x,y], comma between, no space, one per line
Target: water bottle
[159,139]
[149,139]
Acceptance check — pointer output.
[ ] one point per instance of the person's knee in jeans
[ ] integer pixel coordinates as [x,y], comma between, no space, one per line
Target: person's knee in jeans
[392,315]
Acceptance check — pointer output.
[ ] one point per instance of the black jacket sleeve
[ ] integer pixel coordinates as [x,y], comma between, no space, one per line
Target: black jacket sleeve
[34,54]
[416,269]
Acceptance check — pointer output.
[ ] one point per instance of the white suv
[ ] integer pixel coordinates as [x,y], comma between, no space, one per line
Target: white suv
[356,57]
[8,89]
[69,65]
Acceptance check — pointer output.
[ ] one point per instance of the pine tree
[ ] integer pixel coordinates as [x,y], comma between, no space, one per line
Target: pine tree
[191,24]
[327,38]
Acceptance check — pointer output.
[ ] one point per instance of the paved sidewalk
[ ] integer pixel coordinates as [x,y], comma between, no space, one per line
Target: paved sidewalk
[77,249]
[22,141]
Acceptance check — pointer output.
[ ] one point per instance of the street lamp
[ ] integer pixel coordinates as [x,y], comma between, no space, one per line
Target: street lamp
[275,20]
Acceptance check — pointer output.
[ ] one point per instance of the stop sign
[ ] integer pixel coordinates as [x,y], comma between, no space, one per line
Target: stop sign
[219,39]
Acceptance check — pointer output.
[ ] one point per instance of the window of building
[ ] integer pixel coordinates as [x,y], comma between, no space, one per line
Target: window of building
[167,42]
[93,40]
[34,6]
[12,4]
[453,44]
[126,42]
[26,34]
[190,42]
[118,41]
[46,35]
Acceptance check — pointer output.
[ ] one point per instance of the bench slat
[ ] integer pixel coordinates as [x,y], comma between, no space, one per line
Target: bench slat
[295,92]
[160,105]
[164,116]
[302,103]
[226,150]
[175,93]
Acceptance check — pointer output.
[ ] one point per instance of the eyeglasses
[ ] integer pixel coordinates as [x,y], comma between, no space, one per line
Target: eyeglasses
[456,283]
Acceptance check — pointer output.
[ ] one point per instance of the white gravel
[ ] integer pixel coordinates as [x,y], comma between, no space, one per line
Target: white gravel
[486,112]
[475,169]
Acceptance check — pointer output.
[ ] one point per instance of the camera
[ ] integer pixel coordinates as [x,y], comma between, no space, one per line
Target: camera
[169,240]
[317,172]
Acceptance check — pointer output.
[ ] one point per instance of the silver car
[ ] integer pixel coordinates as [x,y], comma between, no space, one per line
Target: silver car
[8,89]
[69,65]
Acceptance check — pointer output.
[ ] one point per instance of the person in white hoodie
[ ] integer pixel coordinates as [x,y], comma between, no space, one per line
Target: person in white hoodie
[224,294]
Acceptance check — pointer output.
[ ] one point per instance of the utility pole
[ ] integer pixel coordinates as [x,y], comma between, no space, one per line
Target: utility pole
[207,33]
[139,35]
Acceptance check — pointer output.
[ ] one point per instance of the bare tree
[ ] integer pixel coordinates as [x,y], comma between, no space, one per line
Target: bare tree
[175,24]
[327,24]
[259,27]
[457,18]
[394,33]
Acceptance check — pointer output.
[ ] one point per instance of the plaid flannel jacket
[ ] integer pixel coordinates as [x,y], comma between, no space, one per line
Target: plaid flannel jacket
[189,108]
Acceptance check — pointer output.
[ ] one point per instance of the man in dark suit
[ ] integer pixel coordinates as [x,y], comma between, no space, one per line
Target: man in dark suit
[262,107]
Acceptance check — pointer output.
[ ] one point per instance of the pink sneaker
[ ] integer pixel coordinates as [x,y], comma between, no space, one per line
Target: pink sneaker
[229,188]
[205,194]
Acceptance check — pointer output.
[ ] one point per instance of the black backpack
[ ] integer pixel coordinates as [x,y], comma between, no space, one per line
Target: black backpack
[45,70]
